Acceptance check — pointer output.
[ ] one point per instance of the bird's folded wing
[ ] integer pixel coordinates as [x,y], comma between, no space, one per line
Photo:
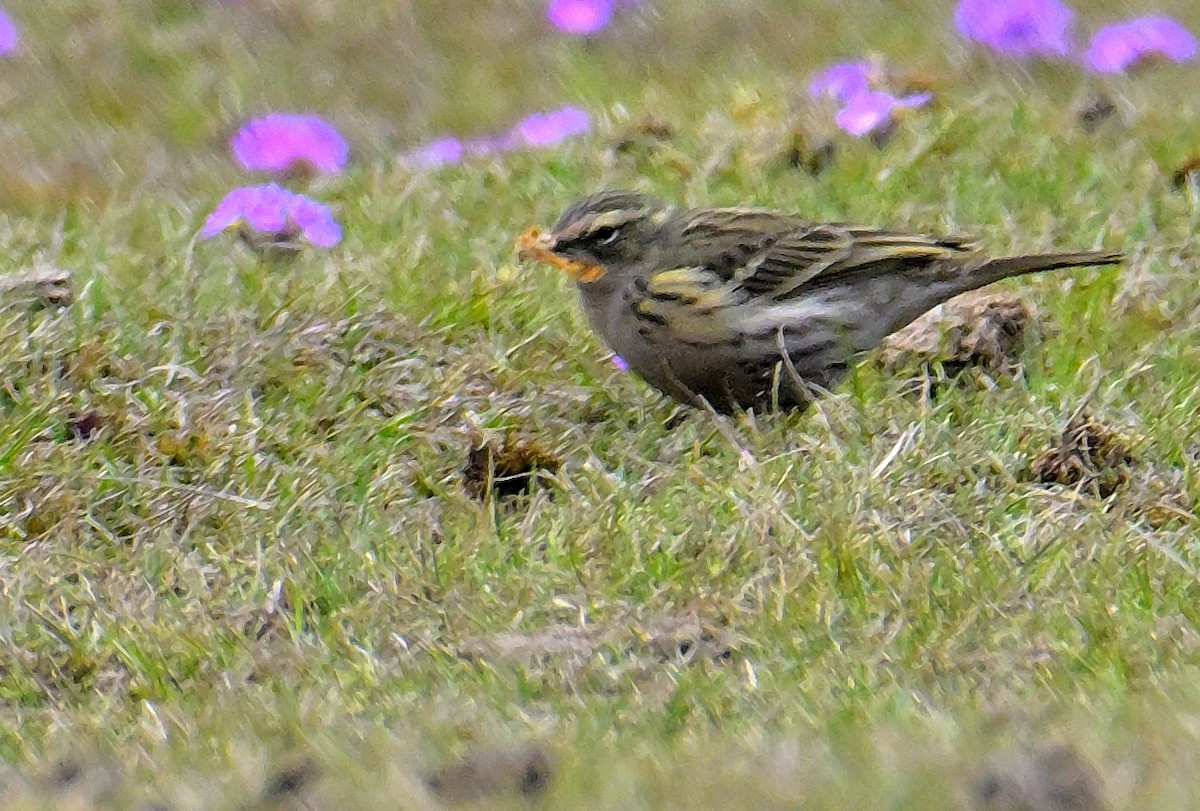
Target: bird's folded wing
[774,266]
[787,266]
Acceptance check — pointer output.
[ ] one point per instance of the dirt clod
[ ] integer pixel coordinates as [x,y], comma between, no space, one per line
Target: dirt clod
[1089,455]
[520,770]
[39,287]
[506,468]
[1186,173]
[291,779]
[1094,112]
[85,426]
[687,637]
[645,134]
[1050,778]
[812,155]
[984,331]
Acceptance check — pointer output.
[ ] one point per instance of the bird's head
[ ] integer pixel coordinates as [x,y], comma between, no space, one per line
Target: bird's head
[604,233]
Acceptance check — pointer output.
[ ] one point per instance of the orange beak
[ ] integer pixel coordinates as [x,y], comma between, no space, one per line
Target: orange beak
[534,245]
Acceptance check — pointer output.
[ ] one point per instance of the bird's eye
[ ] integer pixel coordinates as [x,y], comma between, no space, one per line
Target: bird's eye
[605,235]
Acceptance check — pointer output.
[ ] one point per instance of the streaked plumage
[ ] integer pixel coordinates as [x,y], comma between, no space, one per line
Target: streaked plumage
[749,308]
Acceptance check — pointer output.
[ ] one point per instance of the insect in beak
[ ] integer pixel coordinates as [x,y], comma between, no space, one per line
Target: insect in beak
[533,245]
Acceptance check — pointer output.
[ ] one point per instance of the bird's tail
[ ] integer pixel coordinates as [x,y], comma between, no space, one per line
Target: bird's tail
[908,301]
[994,270]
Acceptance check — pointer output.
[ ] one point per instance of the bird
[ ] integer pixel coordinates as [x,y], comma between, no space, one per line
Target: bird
[745,308]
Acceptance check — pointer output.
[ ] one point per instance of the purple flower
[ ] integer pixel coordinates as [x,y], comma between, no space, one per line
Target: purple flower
[276,143]
[620,363]
[9,38]
[842,81]
[437,153]
[582,17]
[539,129]
[547,129]
[276,212]
[862,107]
[870,110]
[449,150]
[1115,47]
[1017,27]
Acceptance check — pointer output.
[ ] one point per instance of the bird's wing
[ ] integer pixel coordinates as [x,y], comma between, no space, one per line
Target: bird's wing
[776,255]
[797,260]
[740,255]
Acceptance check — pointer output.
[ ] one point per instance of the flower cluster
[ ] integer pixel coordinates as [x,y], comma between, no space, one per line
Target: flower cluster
[1017,28]
[537,130]
[544,129]
[273,216]
[285,144]
[862,107]
[270,217]
[1043,28]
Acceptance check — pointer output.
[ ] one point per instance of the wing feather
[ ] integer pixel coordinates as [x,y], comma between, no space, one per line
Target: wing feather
[738,255]
[795,260]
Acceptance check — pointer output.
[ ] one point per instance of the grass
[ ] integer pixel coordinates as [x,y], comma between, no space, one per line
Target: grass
[238,550]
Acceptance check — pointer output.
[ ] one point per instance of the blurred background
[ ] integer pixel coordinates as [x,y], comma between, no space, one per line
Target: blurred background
[113,94]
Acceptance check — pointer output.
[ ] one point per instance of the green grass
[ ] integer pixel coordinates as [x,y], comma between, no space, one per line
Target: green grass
[266,554]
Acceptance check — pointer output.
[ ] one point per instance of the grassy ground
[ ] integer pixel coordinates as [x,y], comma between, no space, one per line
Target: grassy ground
[247,557]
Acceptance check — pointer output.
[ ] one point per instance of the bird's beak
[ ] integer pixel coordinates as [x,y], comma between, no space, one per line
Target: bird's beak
[539,247]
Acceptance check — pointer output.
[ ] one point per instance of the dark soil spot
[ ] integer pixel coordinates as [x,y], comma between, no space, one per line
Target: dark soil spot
[65,773]
[686,638]
[642,135]
[1094,112]
[291,779]
[523,770]
[85,426]
[813,156]
[1089,455]
[1186,173]
[507,468]
[1052,778]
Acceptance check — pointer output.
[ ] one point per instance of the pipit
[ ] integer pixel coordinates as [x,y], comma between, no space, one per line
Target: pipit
[748,308]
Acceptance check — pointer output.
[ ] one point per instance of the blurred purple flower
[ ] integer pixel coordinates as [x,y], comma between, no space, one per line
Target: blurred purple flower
[547,129]
[582,17]
[539,129]
[620,363]
[870,110]
[842,81]
[448,150]
[276,143]
[1017,27]
[276,212]
[1115,47]
[438,152]
[491,145]
[862,108]
[10,40]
